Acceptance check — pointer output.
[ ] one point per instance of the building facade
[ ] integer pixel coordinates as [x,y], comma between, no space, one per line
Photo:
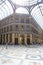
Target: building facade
[20,29]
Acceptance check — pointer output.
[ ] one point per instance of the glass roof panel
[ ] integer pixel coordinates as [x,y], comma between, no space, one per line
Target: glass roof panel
[1,14]
[37,15]
[25,2]
[2,1]
[41,8]
[22,10]
[5,10]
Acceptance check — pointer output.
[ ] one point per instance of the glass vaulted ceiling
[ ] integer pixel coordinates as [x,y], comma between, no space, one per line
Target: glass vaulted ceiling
[5,9]
[25,2]
[37,9]
[38,14]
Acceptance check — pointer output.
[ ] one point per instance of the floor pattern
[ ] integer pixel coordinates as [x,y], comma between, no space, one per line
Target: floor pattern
[21,55]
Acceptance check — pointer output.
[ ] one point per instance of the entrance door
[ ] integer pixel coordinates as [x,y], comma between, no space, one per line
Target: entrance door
[28,41]
[16,41]
[1,40]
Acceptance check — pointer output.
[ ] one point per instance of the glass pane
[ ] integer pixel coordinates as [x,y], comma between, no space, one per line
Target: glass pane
[2,1]
[25,2]
[41,7]
[36,13]
[5,10]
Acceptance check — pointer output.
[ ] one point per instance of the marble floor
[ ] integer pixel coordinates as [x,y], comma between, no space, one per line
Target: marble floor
[21,55]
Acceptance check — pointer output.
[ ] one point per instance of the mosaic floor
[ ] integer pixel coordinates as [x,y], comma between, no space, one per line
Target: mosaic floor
[21,55]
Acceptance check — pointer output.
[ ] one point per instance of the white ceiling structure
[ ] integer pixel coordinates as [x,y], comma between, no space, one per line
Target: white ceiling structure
[33,7]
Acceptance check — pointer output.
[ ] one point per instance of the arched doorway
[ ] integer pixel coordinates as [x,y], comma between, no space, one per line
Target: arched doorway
[28,41]
[16,41]
[3,39]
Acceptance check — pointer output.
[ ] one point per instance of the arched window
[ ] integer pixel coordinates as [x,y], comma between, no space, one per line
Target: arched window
[22,10]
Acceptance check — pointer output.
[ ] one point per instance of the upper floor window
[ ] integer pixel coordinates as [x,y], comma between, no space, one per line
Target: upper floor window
[16,19]
[27,20]
[22,20]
